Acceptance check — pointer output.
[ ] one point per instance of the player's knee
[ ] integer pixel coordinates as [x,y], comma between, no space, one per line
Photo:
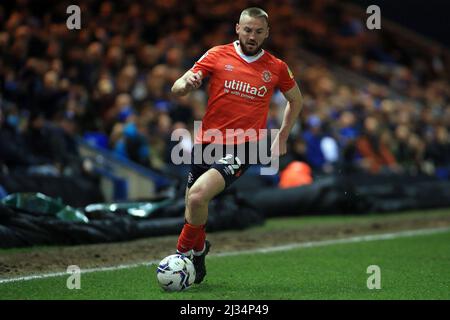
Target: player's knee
[197,198]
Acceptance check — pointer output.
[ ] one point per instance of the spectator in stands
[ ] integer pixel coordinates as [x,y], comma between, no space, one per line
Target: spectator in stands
[39,135]
[438,151]
[133,141]
[50,99]
[376,156]
[65,144]
[313,136]
[14,152]
[408,149]
[347,134]
[322,151]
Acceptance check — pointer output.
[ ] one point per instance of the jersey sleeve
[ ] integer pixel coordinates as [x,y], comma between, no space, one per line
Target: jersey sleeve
[286,79]
[206,62]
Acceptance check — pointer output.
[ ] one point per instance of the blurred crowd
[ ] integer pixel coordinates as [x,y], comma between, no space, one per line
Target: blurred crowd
[110,81]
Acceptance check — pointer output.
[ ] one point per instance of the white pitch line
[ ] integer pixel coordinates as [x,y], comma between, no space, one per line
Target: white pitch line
[60,274]
[290,246]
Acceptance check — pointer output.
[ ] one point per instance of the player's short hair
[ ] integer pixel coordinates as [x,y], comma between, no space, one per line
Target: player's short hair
[255,12]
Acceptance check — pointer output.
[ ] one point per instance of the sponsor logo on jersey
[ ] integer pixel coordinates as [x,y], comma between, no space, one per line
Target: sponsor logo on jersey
[244,88]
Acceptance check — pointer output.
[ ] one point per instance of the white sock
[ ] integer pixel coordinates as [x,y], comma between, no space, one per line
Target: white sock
[199,253]
[186,254]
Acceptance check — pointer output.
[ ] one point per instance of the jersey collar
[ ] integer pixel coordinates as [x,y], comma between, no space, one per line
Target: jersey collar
[248,59]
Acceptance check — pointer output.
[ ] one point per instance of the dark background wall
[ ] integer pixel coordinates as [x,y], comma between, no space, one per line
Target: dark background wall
[430,18]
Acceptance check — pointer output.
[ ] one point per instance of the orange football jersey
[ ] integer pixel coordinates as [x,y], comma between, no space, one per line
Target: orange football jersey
[240,91]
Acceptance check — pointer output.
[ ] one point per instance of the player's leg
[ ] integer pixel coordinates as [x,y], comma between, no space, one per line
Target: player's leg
[202,188]
[222,174]
[210,184]
[190,231]
[198,195]
[230,168]
[207,186]
[193,236]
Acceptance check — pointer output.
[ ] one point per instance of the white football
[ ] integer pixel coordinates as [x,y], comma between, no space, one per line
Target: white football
[175,273]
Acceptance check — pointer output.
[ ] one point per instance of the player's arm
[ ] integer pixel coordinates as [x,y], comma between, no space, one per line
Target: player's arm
[188,82]
[293,108]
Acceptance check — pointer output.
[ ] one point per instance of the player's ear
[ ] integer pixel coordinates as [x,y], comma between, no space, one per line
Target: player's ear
[267,33]
[238,27]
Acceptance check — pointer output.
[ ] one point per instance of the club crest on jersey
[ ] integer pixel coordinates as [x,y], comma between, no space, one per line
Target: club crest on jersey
[266,76]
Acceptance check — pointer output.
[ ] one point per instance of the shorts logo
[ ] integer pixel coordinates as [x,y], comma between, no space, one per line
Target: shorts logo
[190,177]
[226,159]
[266,76]
[230,168]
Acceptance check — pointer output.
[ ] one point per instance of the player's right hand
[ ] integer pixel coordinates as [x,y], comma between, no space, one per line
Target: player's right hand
[194,80]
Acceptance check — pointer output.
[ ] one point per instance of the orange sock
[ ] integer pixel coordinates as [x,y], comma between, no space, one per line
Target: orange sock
[188,237]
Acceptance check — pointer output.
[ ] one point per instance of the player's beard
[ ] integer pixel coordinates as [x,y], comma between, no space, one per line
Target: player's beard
[250,53]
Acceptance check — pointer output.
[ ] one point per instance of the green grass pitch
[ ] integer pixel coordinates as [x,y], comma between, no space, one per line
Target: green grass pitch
[415,267]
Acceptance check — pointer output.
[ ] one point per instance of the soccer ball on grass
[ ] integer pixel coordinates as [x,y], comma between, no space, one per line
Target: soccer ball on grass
[175,273]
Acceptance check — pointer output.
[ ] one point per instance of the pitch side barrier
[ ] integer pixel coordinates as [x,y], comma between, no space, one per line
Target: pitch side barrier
[245,204]
[353,194]
[35,219]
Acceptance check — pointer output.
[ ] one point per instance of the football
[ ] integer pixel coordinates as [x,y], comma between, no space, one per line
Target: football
[175,273]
